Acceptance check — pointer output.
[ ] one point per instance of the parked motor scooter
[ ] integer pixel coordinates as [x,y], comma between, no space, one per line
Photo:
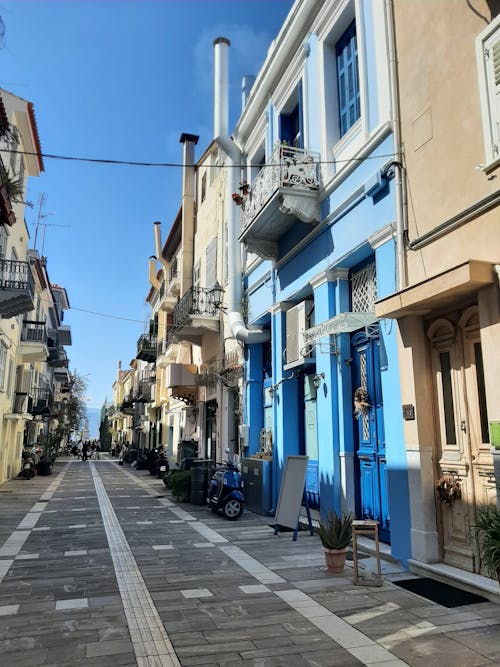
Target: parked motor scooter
[28,466]
[226,491]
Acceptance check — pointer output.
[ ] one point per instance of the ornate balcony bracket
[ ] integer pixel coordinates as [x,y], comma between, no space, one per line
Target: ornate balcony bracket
[265,249]
[302,207]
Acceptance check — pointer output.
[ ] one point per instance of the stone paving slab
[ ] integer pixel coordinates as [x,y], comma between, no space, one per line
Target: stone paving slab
[253,598]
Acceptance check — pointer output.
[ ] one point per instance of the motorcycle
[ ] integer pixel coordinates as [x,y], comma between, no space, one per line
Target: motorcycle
[158,463]
[226,491]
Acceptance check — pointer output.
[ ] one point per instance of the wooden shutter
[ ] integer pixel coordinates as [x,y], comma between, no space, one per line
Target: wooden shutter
[347,79]
[211,263]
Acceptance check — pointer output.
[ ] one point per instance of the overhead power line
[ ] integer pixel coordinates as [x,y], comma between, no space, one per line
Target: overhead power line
[132,163]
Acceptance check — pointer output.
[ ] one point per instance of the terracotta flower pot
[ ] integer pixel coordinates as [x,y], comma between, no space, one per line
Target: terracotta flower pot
[335,559]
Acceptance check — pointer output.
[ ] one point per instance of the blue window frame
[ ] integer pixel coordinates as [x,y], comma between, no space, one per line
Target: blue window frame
[346,53]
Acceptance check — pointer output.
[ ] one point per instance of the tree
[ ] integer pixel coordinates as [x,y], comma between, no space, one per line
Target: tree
[105,437]
[71,415]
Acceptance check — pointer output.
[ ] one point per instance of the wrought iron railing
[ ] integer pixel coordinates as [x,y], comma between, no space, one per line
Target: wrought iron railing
[16,275]
[34,333]
[196,301]
[42,399]
[290,168]
[146,346]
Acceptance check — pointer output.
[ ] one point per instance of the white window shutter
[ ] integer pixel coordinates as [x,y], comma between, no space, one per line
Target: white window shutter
[488,62]
[211,263]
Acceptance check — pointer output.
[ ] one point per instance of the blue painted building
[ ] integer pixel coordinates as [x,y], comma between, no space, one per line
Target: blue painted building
[315,212]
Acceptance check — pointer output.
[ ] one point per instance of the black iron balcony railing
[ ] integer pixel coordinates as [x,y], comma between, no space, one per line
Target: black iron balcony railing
[146,347]
[16,275]
[34,332]
[42,400]
[196,301]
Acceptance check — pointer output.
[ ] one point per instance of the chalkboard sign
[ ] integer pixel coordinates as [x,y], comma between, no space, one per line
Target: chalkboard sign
[291,493]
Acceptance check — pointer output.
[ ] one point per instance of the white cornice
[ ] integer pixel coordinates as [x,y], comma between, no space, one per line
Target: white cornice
[328,276]
[382,236]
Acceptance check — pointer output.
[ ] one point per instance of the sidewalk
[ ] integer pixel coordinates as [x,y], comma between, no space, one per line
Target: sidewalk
[99,566]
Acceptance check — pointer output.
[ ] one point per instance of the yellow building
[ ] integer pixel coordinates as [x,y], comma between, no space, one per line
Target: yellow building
[20,158]
[447,307]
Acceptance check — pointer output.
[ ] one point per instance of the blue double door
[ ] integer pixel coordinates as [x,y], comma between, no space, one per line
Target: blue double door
[370,453]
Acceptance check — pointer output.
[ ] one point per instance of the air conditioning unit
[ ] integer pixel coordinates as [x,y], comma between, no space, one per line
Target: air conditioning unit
[297,321]
[23,384]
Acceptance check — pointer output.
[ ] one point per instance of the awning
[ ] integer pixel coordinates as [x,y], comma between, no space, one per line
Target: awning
[442,290]
[341,323]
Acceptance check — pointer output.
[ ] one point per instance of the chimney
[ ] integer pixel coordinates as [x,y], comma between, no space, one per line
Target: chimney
[189,141]
[221,85]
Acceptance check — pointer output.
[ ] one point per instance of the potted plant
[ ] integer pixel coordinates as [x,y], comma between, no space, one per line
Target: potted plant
[487,530]
[335,533]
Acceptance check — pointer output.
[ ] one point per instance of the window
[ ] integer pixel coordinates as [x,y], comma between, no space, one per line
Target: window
[3,363]
[346,56]
[203,187]
[488,61]
[291,122]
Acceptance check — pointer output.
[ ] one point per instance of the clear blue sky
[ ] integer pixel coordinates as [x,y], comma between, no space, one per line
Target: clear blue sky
[119,80]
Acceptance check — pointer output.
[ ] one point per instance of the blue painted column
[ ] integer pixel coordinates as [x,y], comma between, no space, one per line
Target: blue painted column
[396,455]
[345,400]
[254,411]
[328,297]
[285,402]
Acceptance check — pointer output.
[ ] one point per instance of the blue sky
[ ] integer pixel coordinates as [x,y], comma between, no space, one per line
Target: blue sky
[119,80]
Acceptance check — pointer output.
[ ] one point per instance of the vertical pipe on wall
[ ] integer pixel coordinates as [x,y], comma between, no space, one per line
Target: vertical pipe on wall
[401,223]
[225,142]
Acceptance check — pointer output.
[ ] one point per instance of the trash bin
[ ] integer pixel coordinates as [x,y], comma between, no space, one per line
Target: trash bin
[200,474]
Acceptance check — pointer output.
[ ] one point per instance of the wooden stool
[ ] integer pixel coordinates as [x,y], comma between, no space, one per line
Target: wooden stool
[365,527]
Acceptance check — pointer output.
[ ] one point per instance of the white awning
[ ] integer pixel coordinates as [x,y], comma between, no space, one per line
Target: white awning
[341,323]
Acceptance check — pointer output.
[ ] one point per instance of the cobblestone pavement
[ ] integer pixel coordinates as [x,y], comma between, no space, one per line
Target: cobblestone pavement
[98,566]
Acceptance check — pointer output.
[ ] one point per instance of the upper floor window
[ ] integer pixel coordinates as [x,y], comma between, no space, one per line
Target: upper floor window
[291,120]
[488,61]
[203,187]
[346,55]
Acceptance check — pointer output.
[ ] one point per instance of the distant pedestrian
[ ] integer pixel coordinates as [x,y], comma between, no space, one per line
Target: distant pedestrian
[85,451]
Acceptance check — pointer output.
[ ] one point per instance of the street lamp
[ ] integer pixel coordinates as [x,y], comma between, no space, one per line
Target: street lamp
[217,295]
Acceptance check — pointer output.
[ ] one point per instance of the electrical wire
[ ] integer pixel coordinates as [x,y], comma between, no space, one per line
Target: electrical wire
[131,163]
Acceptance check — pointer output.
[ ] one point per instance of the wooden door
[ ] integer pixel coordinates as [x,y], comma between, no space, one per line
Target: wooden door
[463,462]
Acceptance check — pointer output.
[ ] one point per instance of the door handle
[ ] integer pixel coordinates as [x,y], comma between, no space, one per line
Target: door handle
[463,426]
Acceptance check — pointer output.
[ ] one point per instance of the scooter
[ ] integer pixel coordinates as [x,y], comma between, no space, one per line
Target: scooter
[226,491]
[28,467]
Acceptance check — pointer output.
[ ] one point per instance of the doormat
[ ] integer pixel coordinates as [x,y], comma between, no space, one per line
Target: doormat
[443,594]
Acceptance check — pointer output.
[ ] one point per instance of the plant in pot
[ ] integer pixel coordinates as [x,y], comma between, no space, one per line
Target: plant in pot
[487,530]
[335,533]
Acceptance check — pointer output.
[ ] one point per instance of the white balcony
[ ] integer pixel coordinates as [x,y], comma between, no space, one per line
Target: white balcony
[283,193]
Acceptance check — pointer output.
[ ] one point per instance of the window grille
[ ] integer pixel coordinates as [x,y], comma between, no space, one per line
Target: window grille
[364,289]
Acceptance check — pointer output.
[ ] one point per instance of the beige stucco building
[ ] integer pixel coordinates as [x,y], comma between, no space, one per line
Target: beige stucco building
[447,307]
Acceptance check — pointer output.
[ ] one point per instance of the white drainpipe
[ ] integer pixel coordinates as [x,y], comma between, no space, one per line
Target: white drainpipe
[226,143]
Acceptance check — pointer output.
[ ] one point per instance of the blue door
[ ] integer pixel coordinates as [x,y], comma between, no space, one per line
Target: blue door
[371,487]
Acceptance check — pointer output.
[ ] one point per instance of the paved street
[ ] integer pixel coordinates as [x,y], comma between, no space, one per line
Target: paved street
[98,566]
